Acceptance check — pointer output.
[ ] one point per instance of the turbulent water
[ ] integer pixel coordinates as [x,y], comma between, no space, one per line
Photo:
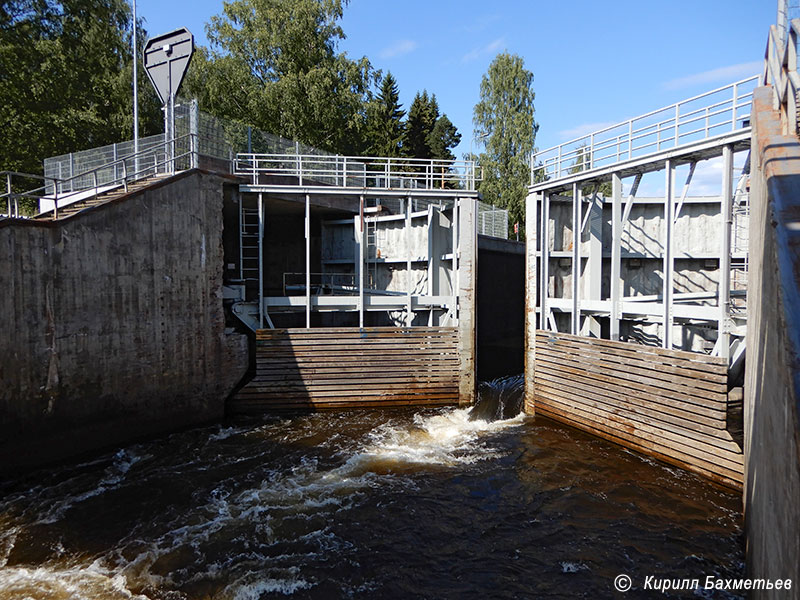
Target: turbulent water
[415,504]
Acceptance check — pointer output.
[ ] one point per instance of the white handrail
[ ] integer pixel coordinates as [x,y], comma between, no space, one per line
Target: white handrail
[716,117]
[361,171]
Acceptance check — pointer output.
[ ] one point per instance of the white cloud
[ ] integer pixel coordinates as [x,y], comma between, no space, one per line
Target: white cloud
[399,48]
[489,48]
[582,130]
[720,75]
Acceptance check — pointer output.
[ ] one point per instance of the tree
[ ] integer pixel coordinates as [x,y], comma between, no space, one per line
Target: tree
[442,138]
[385,126]
[65,79]
[274,64]
[422,116]
[504,114]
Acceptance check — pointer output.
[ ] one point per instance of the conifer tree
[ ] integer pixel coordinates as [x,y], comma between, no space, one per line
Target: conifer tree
[422,116]
[385,126]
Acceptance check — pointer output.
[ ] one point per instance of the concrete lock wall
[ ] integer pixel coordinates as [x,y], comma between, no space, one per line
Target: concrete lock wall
[112,323]
[772,378]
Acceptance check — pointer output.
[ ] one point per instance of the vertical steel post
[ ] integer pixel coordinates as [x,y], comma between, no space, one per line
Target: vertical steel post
[360,233]
[575,321]
[616,247]
[726,216]
[669,259]
[454,261]
[8,190]
[260,256]
[409,286]
[194,132]
[429,267]
[135,85]
[545,259]
[308,261]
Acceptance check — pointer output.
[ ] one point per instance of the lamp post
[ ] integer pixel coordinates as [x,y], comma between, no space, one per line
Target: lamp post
[135,90]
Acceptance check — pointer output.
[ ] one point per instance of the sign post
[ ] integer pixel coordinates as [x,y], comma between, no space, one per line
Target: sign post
[166,59]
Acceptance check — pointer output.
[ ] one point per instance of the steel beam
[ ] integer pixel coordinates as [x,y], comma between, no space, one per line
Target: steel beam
[669,259]
[575,322]
[360,264]
[616,245]
[409,288]
[726,217]
[545,260]
[260,256]
[308,260]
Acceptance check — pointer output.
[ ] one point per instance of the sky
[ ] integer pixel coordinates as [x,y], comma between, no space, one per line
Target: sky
[595,63]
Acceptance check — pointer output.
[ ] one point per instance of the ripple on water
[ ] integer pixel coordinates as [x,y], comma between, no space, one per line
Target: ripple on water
[391,504]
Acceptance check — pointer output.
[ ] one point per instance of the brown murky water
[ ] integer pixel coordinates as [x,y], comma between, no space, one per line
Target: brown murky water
[409,504]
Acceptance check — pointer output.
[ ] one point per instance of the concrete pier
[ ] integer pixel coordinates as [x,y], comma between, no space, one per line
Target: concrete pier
[113,323]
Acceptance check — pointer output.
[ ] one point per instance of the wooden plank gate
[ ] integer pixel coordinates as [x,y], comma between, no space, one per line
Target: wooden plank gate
[669,404]
[342,368]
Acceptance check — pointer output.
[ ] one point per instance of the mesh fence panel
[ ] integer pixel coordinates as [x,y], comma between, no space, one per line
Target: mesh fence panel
[492,221]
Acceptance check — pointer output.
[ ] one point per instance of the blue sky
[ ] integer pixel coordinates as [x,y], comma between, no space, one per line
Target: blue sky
[595,63]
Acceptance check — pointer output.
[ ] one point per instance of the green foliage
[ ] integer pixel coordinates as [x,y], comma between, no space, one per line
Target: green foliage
[422,117]
[504,114]
[65,79]
[442,138]
[385,127]
[273,64]
[427,134]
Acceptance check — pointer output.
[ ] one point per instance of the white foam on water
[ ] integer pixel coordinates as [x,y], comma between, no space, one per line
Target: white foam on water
[254,590]
[67,583]
[185,551]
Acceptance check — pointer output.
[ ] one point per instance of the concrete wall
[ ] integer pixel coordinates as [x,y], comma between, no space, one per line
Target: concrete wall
[772,378]
[112,323]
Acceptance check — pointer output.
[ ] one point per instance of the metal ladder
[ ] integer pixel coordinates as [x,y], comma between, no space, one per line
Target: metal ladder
[371,227]
[248,243]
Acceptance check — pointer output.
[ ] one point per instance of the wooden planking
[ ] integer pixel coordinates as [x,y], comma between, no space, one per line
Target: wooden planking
[343,368]
[669,404]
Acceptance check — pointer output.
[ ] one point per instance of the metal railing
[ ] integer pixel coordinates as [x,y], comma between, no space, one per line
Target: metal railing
[709,115]
[165,158]
[780,70]
[361,171]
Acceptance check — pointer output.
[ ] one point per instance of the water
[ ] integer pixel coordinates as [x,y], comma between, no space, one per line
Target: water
[394,504]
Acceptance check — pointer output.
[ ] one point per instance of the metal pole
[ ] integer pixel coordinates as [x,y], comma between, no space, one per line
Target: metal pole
[454,262]
[194,129]
[308,261]
[409,290]
[360,231]
[260,257]
[429,287]
[135,87]
[669,264]
[576,259]
[726,216]
[616,249]
[545,259]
